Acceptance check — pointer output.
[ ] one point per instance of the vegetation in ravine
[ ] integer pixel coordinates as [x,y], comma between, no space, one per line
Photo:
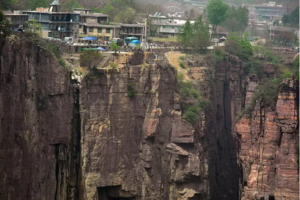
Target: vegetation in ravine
[131,92]
[191,100]
[268,89]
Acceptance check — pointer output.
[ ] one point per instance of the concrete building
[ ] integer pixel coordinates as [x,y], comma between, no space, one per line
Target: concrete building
[55,23]
[275,31]
[95,24]
[133,30]
[266,10]
[91,18]
[82,10]
[100,31]
[167,26]
[169,29]
[17,19]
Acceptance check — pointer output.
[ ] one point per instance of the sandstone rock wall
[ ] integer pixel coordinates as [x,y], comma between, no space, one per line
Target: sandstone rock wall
[256,156]
[226,96]
[36,115]
[138,148]
[120,134]
[269,143]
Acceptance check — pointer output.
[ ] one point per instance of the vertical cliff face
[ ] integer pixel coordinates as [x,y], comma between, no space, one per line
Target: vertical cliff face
[255,156]
[269,141]
[120,134]
[134,143]
[36,124]
[226,96]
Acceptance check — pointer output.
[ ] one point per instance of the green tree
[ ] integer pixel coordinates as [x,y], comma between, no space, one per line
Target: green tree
[127,16]
[152,27]
[4,25]
[239,47]
[147,8]
[185,37]
[115,8]
[285,38]
[200,37]
[90,59]
[33,26]
[237,19]
[69,5]
[7,4]
[114,47]
[216,12]
[292,19]
[195,35]
[33,4]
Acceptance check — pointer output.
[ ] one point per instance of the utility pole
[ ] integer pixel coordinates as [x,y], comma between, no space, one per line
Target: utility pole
[270,33]
[146,22]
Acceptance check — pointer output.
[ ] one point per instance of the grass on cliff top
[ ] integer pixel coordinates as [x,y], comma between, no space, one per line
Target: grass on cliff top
[267,91]
[168,39]
[175,60]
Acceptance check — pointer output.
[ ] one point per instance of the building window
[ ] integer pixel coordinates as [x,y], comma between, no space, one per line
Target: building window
[99,30]
[91,29]
[80,26]
[108,30]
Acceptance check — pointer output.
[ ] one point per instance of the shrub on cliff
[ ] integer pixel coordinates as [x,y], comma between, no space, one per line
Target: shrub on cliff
[219,53]
[239,47]
[191,101]
[265,53]
[114,47]
[33,26]
[90,59]
[130,91]
[53,48]
[292,68]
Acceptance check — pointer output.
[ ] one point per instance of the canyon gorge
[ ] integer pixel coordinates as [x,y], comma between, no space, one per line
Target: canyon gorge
[120,133]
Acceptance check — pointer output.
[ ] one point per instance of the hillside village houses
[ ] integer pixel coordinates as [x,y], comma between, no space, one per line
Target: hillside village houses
[165,26]
[55,23]
[83,22]
[17,18]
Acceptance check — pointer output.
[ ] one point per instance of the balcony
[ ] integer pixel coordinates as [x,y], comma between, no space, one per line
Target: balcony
[131,33]
[167,30]
[61,29]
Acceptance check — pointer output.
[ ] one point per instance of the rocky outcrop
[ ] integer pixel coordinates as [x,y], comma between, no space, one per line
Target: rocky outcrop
[226,96]
[134,142]
[120,134]
[269,146]
[254,156]
[38,145]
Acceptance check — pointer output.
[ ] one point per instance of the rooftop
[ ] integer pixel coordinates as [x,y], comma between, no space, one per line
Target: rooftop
[93,15]
[81,9]
[101,25]
[55,2]
[9,13]
[133,25]
[53,13]
[282,28]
